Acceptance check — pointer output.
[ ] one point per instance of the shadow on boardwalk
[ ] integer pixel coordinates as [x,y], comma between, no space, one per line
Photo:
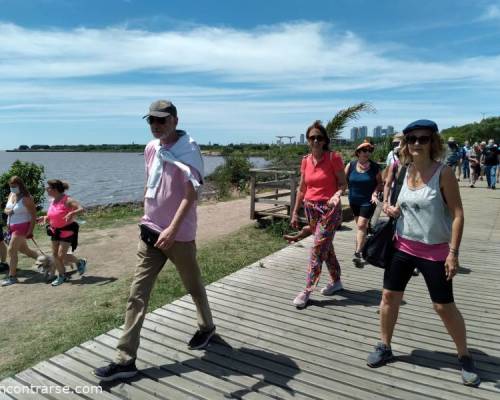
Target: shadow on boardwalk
[274,370]
[487,365]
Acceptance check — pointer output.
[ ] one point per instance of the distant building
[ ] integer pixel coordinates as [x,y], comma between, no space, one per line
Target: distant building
[390,130]
[302,138]
[354,133]
[363,132]
[377,131]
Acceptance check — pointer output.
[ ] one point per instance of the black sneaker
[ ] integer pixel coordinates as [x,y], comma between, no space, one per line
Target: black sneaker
[357,260]
[201,339]
[415,272]
[380,356]
[114,371]
[469,374]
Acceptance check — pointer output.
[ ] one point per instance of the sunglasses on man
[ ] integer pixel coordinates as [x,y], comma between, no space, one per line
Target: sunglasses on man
[412,139]
[156,120]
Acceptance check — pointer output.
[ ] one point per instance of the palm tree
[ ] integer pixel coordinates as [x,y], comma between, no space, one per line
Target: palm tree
[335,126]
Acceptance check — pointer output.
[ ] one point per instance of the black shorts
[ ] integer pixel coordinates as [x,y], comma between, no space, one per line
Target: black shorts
[363,211]
[67,240]
[398,273]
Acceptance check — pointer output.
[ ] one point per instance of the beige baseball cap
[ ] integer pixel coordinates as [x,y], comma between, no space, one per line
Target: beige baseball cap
[161,108]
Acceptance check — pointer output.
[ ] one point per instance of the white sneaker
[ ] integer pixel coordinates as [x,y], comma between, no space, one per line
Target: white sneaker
[302,298]
[331,288]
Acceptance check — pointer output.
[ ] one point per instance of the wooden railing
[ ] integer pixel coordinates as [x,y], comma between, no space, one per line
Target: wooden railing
[277,189]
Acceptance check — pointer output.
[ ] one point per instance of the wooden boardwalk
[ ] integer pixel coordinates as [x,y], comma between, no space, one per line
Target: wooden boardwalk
[266,349]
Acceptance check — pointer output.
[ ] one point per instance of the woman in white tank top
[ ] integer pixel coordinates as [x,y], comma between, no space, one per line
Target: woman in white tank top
[428,234]
[21,218]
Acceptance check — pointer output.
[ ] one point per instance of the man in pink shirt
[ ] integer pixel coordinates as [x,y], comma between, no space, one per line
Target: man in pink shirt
[174,171]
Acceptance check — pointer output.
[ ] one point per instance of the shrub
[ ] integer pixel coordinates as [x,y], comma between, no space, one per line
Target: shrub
[235,173]
[382,149]
[33,176]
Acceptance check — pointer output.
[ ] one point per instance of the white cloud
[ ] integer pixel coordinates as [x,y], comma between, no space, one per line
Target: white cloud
[298,54]
[492,12]
[243,84]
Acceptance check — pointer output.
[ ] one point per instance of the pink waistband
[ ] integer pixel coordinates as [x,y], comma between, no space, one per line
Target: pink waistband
[432,252]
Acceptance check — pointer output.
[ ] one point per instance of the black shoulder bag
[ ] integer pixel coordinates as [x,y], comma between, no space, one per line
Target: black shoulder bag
[378,248]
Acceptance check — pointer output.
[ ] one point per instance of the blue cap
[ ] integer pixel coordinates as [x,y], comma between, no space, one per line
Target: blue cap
[421,124]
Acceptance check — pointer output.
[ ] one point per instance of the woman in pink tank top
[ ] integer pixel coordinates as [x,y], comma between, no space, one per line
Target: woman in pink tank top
[62,228]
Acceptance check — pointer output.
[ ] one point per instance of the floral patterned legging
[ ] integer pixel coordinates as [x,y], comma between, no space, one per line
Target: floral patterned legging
[323,222]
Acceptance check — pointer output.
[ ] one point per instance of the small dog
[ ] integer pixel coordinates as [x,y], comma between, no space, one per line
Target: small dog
[46,265]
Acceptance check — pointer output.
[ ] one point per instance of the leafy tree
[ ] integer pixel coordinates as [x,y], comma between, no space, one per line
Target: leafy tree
[33,176]
[335,126]
[488,128]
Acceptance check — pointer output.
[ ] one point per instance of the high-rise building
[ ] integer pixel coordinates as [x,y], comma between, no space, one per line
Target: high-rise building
[354,133]
[390,130]
[377,131]
[363,132]
[302,138]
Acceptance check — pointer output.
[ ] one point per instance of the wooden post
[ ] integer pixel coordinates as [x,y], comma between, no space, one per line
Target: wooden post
[277,187]
[252,193]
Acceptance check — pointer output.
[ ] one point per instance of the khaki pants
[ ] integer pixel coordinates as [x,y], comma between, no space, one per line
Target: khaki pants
[151,261]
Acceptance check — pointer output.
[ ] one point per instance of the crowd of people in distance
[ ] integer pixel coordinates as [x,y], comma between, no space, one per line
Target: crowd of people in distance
[474,162]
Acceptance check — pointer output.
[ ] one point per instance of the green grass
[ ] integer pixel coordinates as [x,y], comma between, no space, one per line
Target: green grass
[115,216]
[101,308]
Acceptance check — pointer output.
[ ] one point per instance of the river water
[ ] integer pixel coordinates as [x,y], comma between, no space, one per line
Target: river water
[100,178]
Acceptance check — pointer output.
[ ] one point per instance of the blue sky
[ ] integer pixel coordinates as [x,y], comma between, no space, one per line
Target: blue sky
[86,71]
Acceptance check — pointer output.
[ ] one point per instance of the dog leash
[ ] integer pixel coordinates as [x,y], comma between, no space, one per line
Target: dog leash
[38,247]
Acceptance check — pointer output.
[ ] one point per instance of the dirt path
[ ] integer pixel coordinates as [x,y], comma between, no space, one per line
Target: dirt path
[111,256]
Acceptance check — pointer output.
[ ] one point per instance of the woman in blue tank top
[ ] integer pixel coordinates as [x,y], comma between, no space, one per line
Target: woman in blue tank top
[365,181]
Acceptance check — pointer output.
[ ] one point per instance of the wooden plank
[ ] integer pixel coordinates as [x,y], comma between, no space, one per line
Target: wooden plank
[30,377]
[262,324]
[273,195]
[306,357]
[189,380]
[361,304]
[270,282]
[224,363]
[12,389]
[92,353]
[272,201]
[66,378]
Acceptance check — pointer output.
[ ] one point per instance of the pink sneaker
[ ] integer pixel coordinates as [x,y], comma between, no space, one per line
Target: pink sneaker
[302,298]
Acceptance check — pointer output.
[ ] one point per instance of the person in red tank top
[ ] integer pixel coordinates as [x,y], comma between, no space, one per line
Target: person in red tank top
[62,228]
[321,184]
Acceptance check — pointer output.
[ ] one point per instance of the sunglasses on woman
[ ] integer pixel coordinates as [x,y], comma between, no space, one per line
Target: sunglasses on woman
[366,150]
[412,139]
[317,138]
